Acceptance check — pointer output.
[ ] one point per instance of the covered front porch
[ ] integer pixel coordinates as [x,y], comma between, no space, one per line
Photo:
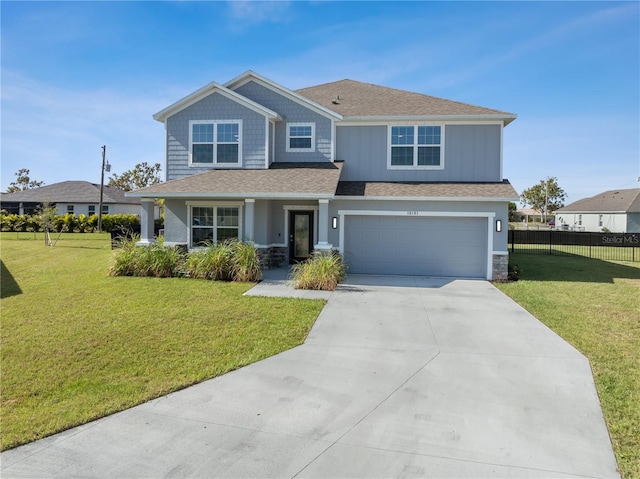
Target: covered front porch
[283,210]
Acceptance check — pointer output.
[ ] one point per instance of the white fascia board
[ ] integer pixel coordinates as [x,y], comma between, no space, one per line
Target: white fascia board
[505,119]
[426,198]
[207,90]
[273,86]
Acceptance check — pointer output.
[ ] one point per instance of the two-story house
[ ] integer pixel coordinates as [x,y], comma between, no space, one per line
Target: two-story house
[397,182]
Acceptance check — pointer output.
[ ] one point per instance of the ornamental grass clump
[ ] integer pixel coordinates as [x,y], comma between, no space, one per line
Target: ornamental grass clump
[212,262]
[323,271]
[245,263]
[156,259]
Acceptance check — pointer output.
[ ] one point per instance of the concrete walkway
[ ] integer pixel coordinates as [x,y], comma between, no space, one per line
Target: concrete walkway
[400,377]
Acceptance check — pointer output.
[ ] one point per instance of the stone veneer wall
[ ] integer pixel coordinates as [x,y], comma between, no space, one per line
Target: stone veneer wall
[273,257]
[500,267]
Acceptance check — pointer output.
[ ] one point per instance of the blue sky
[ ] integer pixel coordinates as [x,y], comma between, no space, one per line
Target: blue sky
[79,75]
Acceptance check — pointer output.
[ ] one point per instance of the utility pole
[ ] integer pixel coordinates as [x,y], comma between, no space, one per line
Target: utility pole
[104,153]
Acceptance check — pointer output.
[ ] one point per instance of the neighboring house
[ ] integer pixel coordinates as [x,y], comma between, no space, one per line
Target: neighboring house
[75,197]
[529,214]
[397,182]
[617,211]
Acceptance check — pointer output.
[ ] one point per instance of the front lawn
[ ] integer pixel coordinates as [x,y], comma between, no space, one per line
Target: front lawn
[595,306]
[78,344]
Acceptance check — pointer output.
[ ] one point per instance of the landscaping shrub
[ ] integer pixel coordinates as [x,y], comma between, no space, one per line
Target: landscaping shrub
[124,260]
[245,263]
[67,222]
[513,272]
[322,271]
[155,260]
[227,261]
[212,262]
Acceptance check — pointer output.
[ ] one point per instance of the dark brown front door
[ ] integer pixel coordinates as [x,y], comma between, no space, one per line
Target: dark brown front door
[300,235]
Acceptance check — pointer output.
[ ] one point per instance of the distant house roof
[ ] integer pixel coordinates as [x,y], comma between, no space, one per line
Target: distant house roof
[358,100]
[497,191]
[313,180]
[70,192]
[613,201]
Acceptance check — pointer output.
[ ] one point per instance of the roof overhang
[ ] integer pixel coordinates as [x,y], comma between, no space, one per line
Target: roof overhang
[210,89]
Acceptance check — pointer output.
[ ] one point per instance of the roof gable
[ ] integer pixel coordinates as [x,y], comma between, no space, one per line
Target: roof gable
[211,89]
[361,101]
[612,201]
[249,75]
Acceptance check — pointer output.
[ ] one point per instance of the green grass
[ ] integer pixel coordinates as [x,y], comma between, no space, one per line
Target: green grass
[78,344]
[595,306]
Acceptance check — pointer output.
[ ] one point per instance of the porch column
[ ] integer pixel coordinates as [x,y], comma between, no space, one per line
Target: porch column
[249,214]
[146,221]
[323,225]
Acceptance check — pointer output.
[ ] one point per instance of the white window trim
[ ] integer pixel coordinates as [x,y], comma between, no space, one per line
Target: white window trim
[214,205]
[215,123]
[415,146]
[313,138]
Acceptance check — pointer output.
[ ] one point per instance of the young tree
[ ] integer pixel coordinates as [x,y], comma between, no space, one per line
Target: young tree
[140,176]
[545,197]
[23,182]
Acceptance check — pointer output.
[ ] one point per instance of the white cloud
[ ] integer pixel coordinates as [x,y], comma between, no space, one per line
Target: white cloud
[58,133]
[244,14]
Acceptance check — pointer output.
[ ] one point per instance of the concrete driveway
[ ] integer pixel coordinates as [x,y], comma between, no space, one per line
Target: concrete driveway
[400,377]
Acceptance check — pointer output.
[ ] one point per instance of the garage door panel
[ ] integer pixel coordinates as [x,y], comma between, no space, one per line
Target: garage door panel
[416,245]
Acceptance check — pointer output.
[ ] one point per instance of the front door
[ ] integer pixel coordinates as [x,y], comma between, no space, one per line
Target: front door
[300,235]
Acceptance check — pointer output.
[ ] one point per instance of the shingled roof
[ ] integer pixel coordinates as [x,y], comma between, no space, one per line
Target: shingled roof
[498,191]
[69,192]
[354,99]
[311,180]
[612,201]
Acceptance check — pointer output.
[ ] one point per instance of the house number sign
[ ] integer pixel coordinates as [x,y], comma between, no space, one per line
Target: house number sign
[413,213]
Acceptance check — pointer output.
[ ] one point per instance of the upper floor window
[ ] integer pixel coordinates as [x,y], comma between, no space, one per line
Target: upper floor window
[216,142]
[417,146]
[301,137]
[600,220]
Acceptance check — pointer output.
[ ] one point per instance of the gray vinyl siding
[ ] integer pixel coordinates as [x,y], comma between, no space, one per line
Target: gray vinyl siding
[471,153]
[291,112]
[214,107]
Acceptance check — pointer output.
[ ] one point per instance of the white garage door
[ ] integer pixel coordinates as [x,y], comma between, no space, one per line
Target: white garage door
[431,246]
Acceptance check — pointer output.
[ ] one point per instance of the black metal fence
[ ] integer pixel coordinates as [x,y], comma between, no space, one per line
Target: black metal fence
[607,246]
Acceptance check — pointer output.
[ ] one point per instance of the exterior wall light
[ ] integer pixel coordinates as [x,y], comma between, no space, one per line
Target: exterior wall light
[334,223]
[498,226]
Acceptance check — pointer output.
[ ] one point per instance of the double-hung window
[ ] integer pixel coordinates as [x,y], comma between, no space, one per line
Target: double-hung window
[301,137]
[211,224]
[215,142]
[415,147]
[91,210]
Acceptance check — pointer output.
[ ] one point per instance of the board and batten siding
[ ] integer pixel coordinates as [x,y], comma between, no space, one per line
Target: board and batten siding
[214,107]
[472,153]
[291,112]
